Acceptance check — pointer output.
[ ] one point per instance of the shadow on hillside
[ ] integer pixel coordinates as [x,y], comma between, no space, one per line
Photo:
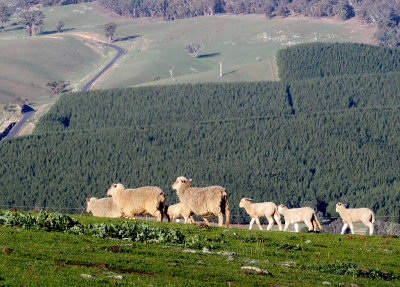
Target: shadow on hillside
[126,38]
[55,31]
[4,29]
[228,73]
[208,55]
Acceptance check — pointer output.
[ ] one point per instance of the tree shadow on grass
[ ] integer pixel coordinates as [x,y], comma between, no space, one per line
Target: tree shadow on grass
[208,55]
[55,31]
[126,38]
[4,29]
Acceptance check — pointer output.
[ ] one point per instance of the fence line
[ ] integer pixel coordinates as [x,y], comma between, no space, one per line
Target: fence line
[232,216]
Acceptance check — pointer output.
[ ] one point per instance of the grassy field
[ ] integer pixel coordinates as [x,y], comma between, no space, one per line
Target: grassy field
[38,258]
[246,44]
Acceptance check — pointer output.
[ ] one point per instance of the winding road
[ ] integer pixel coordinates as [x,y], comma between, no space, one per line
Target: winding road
[120,52]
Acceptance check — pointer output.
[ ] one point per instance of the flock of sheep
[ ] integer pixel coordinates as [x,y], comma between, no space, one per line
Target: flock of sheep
[212,201]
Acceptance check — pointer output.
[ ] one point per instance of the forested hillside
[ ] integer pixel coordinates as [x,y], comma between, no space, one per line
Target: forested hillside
[324,60]
[310,142]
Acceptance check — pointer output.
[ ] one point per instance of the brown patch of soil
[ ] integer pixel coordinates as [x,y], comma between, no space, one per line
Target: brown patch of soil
[105,266]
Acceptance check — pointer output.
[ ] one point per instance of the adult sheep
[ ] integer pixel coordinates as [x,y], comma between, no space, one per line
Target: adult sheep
[353,215]
[295,215]
[179,210]
[256,210]
[102,207]
[131,202]
[203,201]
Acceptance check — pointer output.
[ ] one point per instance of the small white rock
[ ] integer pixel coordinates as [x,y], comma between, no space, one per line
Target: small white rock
[86,276]
[326,283]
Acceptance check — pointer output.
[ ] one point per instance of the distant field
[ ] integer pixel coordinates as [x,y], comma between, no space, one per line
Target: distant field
[246,44]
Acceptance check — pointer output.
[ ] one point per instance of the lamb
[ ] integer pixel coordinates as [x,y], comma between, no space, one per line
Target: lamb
[255,210]
[179,210]
[203,201]
[294,215]
[102,207]
[353,215]
[130,202]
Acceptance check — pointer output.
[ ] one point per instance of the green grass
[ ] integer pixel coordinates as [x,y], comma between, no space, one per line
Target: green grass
[247,44]
[292,259]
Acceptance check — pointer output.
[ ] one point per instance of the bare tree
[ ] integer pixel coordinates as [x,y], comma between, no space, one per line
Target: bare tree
[59,26]
[110,30]
[194,48]
[5,13]
[32,20]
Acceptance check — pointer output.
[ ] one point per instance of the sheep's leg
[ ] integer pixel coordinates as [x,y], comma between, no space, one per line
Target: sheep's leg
[344,228]
[258,223]
[157,214]
[270,222]
[296,227]
[206,221]
[220,220]
[351,228]
[190,219]
[310,225]
[251,223]
[371,227]
[286,225]
[278,221]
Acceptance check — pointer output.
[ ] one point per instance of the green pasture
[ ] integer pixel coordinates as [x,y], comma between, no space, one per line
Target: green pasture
[38,258]
[247,45]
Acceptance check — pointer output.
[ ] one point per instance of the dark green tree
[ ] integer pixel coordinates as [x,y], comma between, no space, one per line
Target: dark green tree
[109,30]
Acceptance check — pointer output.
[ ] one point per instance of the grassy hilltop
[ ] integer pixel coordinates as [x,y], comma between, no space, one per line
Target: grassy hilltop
[189,255]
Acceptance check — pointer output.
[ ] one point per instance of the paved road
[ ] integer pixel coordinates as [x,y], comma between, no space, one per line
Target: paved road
[15,130]
[120,51]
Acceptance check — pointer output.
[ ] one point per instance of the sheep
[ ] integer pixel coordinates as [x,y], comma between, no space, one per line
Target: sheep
[255,210]
[102,207]
[179,210]
[130,202]
[353,215]
[203,201]
[294,215]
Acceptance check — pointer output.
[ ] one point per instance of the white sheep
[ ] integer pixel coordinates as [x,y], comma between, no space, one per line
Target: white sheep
[203,201]
[179,210]
[102,207]
[353,215]
[295,215]
[256,210]
[131,202]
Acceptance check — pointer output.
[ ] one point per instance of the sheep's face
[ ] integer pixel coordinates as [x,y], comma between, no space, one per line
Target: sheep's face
[243,202]
[281,208]
[89,202]
[113,188]
[339,205]
[181,182]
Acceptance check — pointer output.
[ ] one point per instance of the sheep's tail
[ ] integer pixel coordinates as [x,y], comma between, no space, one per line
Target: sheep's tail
[372,217]
[225,208]
[162,206]
[317,221]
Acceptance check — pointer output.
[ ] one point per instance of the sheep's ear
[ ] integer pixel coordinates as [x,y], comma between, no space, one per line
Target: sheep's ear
[114,185]
[87,199]
[190,180]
